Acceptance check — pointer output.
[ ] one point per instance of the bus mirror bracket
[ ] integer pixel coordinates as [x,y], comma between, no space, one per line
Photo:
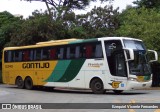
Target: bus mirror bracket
[129,53]
[155,56]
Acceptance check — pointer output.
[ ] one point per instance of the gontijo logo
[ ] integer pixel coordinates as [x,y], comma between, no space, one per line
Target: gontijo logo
[115,84]
[35,65]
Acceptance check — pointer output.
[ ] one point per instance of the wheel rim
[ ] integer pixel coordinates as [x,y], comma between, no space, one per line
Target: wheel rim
[98,86]
[19,82]
[28,83]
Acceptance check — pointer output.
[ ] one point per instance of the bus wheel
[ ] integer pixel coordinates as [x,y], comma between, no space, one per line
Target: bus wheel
[20,82]
[28,83]
[97,86]
[118,91]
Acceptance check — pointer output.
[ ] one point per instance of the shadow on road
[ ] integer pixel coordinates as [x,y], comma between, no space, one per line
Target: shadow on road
[79,91]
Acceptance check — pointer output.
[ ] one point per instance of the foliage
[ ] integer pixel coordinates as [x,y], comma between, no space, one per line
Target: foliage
[39,27]
[36,28]
[102,21]
[141,23]
[64,6]
[8,25]
[148,3]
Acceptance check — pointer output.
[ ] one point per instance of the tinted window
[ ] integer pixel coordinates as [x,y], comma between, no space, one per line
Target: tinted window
[115,58]
[74,51]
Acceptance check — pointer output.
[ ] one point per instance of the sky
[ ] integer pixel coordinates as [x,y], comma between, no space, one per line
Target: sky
[26,8]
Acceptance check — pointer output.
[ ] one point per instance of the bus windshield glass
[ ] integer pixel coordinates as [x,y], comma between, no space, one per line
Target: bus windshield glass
[139,66]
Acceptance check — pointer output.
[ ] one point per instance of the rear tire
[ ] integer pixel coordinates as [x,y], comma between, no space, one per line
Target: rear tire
[97,86]
[28,83]
[20,82]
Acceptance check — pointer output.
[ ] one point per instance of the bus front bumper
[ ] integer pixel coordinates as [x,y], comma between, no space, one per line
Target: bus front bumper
[132,85]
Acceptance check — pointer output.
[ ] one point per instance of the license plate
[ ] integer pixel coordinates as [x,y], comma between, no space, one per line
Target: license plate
[144,85]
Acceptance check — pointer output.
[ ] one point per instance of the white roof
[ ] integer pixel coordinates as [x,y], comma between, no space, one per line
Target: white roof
[117,38]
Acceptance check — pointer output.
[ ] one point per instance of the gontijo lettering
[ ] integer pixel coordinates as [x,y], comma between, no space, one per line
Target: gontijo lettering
[35,65]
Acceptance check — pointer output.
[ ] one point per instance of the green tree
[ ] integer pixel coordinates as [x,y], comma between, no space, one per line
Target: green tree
[63,6]
[148,3]
[39,27]
[99,21]
[141,23]
[35,29]
[8,25]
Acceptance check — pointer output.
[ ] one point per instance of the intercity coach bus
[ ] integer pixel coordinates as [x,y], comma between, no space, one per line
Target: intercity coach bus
[99,64]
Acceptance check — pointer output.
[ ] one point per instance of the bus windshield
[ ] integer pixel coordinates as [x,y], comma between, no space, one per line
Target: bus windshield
[139,66]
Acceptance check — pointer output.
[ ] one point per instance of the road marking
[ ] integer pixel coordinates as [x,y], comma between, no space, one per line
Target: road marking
[132,102]
[158,110]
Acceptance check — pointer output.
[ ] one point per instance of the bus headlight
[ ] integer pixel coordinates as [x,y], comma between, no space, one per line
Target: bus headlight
[132,79]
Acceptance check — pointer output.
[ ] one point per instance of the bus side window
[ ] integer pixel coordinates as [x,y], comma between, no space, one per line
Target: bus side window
[12,56]
[53,53]
[45,54]
[68,53]
[82,53]
[18,56]
[71,52]
[26,55]
[6,56]
[60,53]
[98,51]
[37,54]
[31,55]
[89,50]
[77,52]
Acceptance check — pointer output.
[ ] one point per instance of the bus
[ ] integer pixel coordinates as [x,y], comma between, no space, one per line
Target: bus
[99,64]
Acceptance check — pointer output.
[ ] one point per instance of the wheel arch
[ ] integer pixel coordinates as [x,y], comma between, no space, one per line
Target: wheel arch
[28,77]
[94,79]
[17,78]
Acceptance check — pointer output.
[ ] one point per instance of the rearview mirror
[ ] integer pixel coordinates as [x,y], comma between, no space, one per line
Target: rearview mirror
[129,53]
[153,56]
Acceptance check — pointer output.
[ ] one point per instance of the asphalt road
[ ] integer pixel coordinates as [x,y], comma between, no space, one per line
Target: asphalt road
[11,94]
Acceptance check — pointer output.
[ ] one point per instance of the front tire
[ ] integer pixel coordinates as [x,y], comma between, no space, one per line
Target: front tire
[20,82]
[28,83]
[97,86]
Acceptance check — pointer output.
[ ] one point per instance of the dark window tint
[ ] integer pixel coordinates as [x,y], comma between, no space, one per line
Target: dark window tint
[115,58]
[60,53]
[52,53]
[93,50]
[74,51]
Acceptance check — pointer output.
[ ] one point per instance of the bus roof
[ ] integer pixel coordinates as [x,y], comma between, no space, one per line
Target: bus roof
[118,38]
[68,41]
[56,41]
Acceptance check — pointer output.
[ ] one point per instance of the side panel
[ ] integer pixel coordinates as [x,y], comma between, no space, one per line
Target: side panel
[65,72]
[94,68]
[38,71]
